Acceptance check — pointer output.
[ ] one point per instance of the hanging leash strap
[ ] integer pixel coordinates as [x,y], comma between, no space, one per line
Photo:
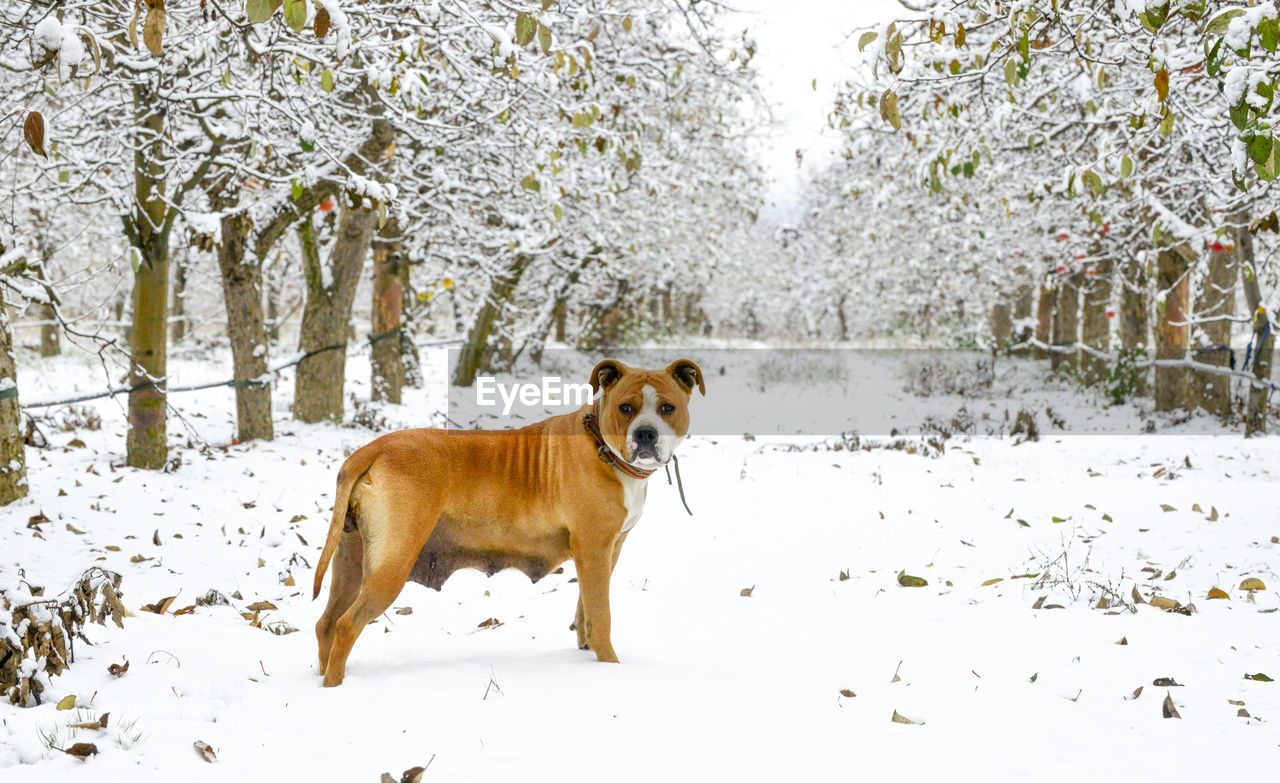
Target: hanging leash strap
[679,484]
[592,424]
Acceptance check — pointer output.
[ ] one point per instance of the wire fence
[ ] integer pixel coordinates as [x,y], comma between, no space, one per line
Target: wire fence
[261,381]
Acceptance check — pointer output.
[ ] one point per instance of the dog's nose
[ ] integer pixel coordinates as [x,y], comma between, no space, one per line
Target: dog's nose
[646,436]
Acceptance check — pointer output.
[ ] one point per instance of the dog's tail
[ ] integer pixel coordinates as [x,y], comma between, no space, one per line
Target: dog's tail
[352,471]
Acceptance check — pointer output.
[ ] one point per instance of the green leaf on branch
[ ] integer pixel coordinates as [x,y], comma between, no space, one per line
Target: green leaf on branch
[889,109]
[865,39]
[544,38]
[526,28]
[295,14]
[1269,168]
[1093,182]
[326,80]
[260,11]
[1260,148]
[1240,114]
[893,49]
[1218,24]
[1011,72]
[1269,33]
[1152,18]
[1213,57]
[1126,167]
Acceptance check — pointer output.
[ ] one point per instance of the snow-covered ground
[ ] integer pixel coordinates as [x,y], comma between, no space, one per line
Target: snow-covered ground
[797,680]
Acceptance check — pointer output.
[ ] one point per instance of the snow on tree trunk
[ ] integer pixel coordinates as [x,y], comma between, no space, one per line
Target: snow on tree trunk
[386,329]
[1215,304]
[327,313]
[247,330]
[13,461]
[1044,319]
[1133,318]
[1172,267]
[1066,324]
[1095,327]
[478,351]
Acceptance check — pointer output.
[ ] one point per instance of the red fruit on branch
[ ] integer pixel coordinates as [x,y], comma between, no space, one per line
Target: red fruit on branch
[1111,313]
[326,205]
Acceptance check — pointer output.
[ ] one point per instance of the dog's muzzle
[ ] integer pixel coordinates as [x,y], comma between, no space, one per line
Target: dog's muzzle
[644,444]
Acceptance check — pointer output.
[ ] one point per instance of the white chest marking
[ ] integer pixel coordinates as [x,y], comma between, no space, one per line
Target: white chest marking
[633,499]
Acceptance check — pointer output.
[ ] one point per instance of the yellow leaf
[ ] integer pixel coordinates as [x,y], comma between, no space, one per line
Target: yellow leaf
[153,27]
[993,581]
[897,718]
[1167,508]
[1251,584]
[1215,592]
[1163,602]
[68,702]
[906,580]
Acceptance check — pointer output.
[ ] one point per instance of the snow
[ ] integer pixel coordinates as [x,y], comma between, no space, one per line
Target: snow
[50,37]
[712,684]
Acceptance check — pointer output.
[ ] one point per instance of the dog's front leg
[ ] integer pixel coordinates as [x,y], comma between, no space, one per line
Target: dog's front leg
[578,624]
[594,562]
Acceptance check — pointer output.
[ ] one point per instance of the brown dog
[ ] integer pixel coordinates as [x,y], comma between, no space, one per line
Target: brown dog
[420,504]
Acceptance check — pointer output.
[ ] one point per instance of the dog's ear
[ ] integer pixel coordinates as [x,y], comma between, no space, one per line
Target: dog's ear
[606,374]
[688,375]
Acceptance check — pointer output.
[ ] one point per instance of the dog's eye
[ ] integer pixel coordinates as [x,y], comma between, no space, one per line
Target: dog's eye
[666,409]
[626,409]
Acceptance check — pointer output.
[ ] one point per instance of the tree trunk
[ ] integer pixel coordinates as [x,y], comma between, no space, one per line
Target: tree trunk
[50,344]
[409,357]
[1133,321]
[1215,304]
[147,445]
[387,315]
[1171,338]
[242,290]
[561,317]
[1066,324]
[477,351]
[325,317]
[1001,325]
[13,460]
[1022,310]
[1095,327]
[1255,413]
[179,306]
[1044,319]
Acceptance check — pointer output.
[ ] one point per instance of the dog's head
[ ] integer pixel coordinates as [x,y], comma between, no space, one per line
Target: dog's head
[644,414]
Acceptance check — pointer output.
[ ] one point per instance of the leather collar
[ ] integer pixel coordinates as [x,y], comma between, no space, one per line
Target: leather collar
[591,422]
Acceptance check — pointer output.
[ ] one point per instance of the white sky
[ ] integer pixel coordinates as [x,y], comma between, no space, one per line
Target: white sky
[799,41]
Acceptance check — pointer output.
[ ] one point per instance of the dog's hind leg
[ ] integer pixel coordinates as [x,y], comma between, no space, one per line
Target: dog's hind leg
[388,559]
[344,586]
